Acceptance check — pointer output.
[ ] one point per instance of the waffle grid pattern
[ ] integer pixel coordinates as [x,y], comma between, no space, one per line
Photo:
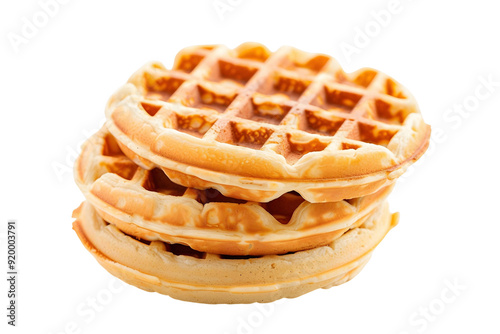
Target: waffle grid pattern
[288,102]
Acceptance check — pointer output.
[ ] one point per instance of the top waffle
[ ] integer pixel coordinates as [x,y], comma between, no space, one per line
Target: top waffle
[255,124]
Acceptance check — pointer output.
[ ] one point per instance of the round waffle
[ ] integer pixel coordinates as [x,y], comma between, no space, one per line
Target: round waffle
[147,204]
[255,125]
[186,274]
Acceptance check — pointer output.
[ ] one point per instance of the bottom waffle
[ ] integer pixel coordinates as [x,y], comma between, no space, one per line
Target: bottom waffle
[183,273]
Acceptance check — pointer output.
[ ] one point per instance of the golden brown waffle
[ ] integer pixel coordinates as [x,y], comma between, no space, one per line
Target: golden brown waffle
[186,274]
[255,125]
[148,205]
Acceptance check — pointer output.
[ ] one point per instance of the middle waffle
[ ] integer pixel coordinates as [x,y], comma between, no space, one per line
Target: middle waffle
[148,205]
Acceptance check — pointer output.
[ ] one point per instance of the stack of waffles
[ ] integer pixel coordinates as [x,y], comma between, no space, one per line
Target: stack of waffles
[242,175]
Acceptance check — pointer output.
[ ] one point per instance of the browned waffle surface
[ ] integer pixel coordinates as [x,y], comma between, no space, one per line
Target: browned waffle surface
[246,118]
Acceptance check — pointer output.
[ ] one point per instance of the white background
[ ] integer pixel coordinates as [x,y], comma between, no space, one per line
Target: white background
[53,87]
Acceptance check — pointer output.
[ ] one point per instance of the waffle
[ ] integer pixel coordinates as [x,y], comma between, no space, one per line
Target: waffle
[186,274]
[145,203]
[255,125]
